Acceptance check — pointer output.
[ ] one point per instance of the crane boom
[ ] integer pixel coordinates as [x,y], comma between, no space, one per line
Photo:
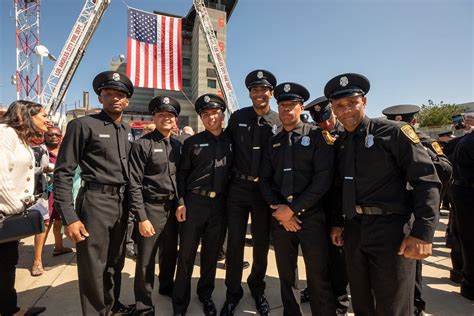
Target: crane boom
[71,54]
[216,55]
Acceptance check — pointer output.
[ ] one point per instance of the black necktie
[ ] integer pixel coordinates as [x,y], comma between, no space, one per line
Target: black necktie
[256,149]
[168,148]
[122,148]
[349,188]
[287,183]
[219,164]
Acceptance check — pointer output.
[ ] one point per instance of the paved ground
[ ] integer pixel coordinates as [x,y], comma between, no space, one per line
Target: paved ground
[57,288]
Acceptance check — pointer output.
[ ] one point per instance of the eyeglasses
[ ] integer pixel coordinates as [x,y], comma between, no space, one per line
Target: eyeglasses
[53,134]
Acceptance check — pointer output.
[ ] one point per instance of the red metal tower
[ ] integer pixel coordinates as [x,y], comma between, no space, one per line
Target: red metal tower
[27,15]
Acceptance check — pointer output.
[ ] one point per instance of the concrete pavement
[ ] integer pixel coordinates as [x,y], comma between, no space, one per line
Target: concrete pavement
[57,288]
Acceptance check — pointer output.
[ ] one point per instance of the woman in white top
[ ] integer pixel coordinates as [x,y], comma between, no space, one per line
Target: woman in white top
[23,121]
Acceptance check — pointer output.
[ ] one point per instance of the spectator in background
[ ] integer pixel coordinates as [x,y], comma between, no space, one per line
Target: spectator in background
[23,121]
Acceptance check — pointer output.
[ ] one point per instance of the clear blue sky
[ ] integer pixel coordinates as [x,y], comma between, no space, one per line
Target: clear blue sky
[411,50]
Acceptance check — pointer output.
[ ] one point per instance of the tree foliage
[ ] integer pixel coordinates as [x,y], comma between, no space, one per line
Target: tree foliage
[437,114]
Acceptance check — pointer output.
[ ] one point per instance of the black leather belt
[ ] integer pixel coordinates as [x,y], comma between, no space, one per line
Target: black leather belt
[104,188]
[463,183]
[246,177]
[209,194]
[371,210]
[161,198]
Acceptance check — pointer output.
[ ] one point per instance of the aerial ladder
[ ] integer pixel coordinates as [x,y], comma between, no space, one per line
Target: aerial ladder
[66,65]
[216,55]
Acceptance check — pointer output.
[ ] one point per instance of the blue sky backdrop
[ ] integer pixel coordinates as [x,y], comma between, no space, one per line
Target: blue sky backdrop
[411,50]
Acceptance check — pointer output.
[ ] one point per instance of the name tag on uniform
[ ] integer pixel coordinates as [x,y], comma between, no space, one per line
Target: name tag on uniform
[203,145]
[104,135]
[276,145]
[242,125]
[159,150]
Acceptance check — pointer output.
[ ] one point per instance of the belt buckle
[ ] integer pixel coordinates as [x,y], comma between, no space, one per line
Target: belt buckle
[289,199]
[212,194]
[359,209]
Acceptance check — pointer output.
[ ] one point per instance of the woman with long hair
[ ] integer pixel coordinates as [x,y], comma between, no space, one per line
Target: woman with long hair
[23,121]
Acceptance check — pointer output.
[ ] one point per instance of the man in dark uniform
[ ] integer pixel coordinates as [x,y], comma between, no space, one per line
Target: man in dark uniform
[377,160]
[202,183]
[322,115]
[249,128]
[154,159]
[463,197]
[297,170]
[99,145]
[406,113]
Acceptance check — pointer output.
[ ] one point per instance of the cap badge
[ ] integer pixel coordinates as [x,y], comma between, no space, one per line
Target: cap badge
[259,75]
[287,87]
[369,141]
[305,141]
[317,108]
[116,76]
[343,81]
[166,100]
[207,99]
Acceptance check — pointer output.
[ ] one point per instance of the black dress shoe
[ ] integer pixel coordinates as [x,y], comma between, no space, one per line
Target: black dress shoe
[208,307]
[304,295]
[261,303]
[35,311]
[228,309]
[121,309]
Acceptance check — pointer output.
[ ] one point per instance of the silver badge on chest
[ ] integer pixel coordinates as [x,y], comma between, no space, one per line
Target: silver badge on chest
[369,141]
[305,141]
[274,129]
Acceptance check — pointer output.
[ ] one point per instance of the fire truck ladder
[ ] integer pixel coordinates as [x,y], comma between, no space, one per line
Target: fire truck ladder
[216,55]
[71,54]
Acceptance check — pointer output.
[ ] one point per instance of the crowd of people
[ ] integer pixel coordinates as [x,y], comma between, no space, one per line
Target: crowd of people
[357,197]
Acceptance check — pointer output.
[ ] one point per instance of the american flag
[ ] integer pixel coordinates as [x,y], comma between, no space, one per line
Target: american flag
[154,50]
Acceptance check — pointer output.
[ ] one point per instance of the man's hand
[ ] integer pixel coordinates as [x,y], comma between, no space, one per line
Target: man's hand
[76,232]
[336,236]
[181,213]
[146,228]
[283,212]
[414,248]
[293,225]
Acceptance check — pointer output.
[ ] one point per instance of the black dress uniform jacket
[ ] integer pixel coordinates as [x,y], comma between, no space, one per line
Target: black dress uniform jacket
[100,148]
[383,167]
[199,152]
[153,167]
[242,128]
[312,168]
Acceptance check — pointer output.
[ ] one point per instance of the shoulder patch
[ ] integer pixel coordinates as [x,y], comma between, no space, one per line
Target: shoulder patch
[437,148]
[410,133]
[328,137]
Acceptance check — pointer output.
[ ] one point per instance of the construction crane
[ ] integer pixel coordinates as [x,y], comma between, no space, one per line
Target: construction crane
[71,54]
[216,55]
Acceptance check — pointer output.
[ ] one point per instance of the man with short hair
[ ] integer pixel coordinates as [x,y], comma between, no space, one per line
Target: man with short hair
[202,185]
[297,170]
[377,160]
[154,160]
[99,145]
[249,128]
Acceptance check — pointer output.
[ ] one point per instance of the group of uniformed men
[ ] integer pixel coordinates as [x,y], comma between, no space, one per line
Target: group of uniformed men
[366,184]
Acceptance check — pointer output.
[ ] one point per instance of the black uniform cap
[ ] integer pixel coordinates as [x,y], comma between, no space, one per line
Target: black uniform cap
[346,85]
[448,134]
[164,104]
[402,112]
[290,91]
[113,80]
[320,109]
[260,78]
[209,101]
